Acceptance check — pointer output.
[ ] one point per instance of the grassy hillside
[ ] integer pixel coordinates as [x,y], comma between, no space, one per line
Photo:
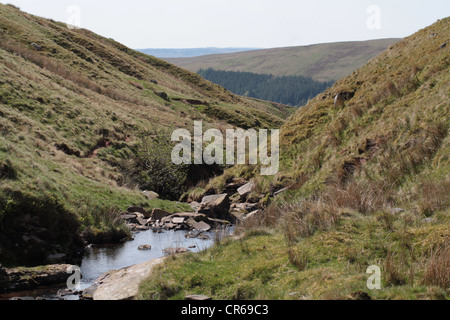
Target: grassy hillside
[322,62]
[72,105]
[368,180]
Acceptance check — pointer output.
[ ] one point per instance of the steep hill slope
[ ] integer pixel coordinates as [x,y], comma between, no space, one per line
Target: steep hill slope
[72,105]
[367,170]
[322,62]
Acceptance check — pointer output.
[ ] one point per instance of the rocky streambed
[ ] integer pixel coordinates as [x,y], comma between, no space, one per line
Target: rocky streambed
[113,272]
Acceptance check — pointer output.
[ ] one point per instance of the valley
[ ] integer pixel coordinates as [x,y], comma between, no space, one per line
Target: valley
[90,169]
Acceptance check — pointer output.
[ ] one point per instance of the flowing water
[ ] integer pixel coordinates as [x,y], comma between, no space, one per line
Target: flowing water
[101,259]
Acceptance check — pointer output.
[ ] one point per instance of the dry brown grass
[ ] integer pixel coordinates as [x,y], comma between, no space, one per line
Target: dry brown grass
[360,196]
[394,270]
[437,269]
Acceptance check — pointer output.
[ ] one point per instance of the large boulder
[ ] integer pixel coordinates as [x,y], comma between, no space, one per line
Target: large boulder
[216,206]
[123,284]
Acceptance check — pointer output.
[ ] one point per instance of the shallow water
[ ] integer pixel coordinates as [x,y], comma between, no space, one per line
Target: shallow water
[101,259]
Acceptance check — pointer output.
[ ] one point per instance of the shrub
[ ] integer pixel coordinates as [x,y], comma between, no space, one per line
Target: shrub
[152,168]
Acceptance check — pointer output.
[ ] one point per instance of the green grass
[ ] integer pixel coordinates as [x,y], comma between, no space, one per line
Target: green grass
[328,265]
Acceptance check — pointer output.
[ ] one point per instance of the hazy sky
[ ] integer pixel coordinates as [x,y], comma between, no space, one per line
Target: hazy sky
[241,23]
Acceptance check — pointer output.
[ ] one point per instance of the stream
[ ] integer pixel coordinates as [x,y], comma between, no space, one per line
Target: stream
[101,259]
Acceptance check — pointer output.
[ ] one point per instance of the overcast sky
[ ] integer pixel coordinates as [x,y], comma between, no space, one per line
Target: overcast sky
[241,23]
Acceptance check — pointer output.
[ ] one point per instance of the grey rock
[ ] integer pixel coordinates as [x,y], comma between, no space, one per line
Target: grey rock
[123,284]
[178,220]
[201,226]
[145,247]
[246,189]
[142,221]
[150,195]
[216,206]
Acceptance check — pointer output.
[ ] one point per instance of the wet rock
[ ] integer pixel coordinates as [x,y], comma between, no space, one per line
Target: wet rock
[169,226]
[203,237]
[16,279]
[145,247]
[201,226]
[22,298]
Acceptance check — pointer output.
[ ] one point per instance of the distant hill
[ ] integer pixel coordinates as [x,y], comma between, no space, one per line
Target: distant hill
[190,52]
[322,62]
